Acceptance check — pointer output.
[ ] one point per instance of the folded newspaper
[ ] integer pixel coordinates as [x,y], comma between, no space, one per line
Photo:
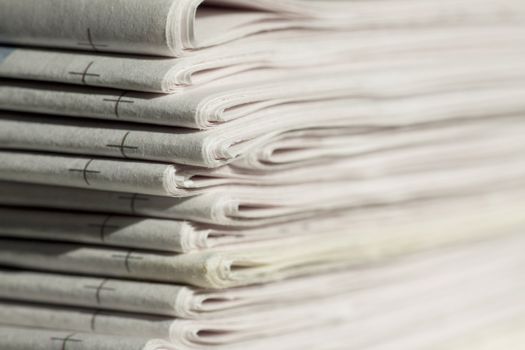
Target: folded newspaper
[233,174]
[390,302]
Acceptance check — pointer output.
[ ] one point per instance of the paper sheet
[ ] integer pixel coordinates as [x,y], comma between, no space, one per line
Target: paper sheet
[193,303]
[257,93]
[242,265]
[412,299]
[293,50]
[160,27]
[265,205]
[504,328]
[162,180]
[461,150]
[184,236]
[230,141]
[171,27]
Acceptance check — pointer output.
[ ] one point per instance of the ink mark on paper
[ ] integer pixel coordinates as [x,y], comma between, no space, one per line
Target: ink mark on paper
[93,319]
[103,226]
[118,101]
[133,199]
[90,42]
[85,171]
[98,289]
[85,73]
[127,257]
[65,341]
[122,146]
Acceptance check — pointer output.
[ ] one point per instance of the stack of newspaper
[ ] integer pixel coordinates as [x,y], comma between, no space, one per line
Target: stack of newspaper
[269,174]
